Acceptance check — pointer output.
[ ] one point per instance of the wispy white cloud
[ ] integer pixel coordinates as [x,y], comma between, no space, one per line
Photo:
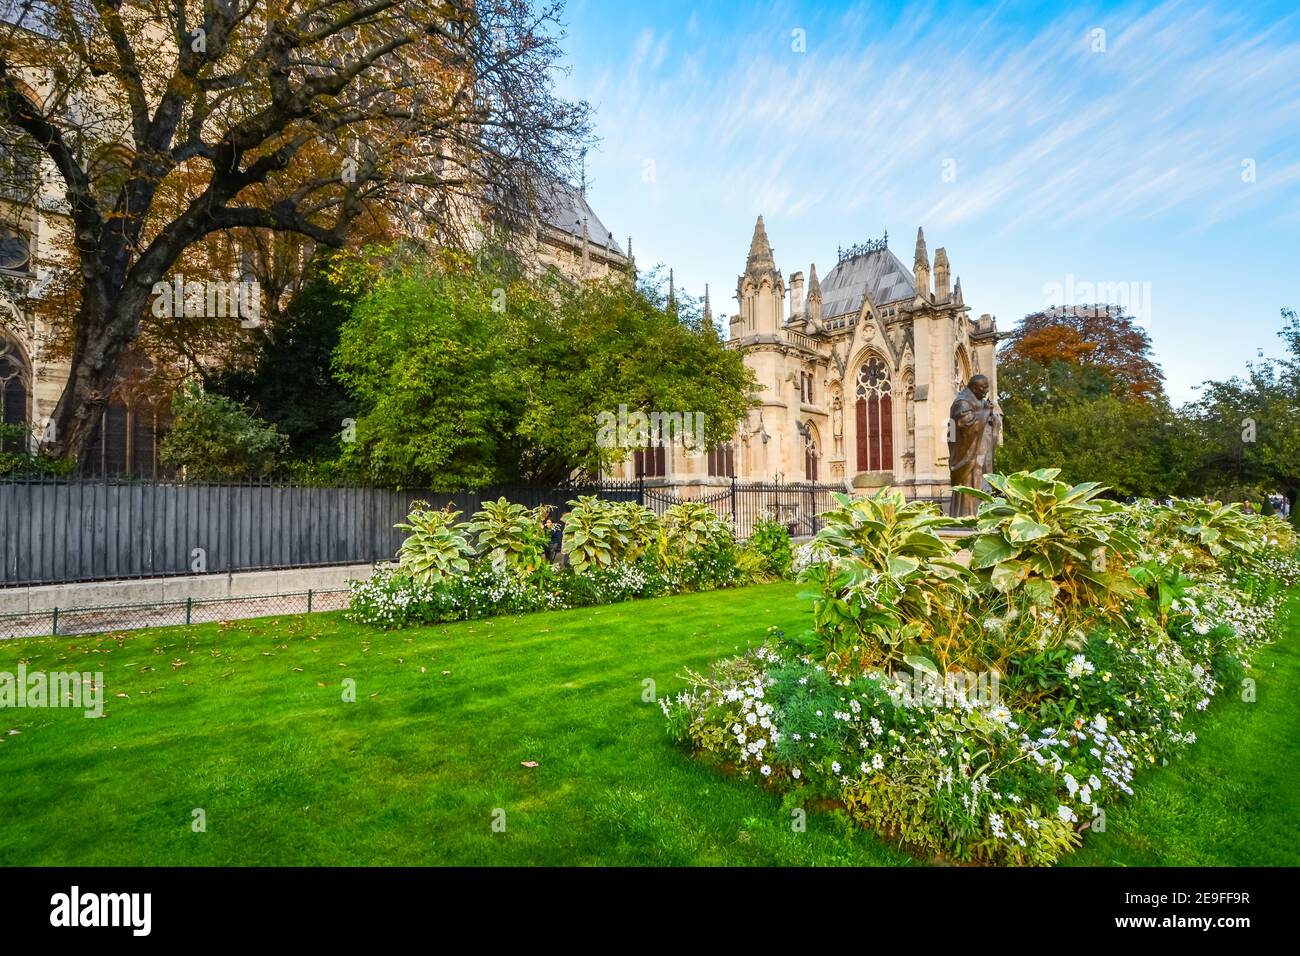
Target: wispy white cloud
[1039,125]
[1111,166]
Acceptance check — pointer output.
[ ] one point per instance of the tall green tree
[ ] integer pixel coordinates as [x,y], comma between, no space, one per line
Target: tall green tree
[469,374]
[1081,392]
[1249,426]
[1136,448]
[287,377]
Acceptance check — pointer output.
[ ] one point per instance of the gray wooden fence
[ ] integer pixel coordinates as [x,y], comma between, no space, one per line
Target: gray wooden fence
[56,530]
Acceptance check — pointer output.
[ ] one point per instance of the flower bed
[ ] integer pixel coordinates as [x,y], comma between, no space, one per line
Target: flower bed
[612,552]
[991,713]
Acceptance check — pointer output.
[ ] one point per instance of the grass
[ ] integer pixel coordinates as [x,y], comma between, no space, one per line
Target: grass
[245,720]
[1231,799]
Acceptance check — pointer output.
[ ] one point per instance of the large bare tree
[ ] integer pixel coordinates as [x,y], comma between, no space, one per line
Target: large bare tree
[169,121]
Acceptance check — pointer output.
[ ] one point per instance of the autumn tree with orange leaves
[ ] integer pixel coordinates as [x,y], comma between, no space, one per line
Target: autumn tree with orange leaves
[169,124]
[1097,345]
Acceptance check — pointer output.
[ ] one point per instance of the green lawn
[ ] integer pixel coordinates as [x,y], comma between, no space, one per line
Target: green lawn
[246,721]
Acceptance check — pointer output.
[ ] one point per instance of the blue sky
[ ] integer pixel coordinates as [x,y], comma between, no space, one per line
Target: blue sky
[1160,159]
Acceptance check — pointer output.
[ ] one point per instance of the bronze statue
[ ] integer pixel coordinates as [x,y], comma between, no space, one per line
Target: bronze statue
[974,431]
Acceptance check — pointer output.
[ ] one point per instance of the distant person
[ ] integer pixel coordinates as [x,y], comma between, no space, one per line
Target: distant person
[554,540]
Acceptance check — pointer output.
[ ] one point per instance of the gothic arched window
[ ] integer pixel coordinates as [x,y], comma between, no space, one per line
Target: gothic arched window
[960,370]
[875,417]
[14,401]
[811,453]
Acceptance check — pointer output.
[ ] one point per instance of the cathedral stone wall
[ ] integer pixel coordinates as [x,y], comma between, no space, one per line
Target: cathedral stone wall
[857,372]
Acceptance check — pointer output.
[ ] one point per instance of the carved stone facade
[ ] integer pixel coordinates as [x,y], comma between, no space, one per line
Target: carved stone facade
[857,372]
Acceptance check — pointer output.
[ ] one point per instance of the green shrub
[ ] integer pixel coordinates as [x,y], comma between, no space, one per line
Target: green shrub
[595,533]
[891,591]
[639,524]
[693,524]
[509,536]
[213,437]
[435,547]
[1026,712]
[770,540]
[1047,538]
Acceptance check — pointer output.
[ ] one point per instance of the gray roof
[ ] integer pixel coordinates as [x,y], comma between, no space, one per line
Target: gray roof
[564,207]
[879,275]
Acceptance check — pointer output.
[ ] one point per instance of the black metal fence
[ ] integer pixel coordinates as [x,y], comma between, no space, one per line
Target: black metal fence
[60,530]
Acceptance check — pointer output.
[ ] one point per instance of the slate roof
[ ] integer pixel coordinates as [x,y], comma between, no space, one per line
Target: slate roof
[564,207]
[877,274]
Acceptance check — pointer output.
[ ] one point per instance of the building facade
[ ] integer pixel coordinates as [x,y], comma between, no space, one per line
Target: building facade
[857,373]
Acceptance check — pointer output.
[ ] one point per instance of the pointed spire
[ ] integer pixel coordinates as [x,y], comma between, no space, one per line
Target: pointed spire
[760,250]
[709,328]
[813,304]
[672,295]
[956,292]
[941,271]
[921,267]
[631,258]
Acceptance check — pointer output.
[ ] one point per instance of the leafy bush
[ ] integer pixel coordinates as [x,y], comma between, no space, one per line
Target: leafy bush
[692,525]
[890,590]
[770,541]
[639,524]
[1042,536]
[509,536]
[15,459]
[595,533]
[1202,535]
[435,547]
[1035,707]
[494,564]
[213,437]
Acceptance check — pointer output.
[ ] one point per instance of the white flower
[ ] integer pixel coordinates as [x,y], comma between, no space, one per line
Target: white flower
[1079,666]
[1066,814]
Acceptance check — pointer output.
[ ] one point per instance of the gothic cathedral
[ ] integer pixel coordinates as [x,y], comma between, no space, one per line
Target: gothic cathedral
[857,373]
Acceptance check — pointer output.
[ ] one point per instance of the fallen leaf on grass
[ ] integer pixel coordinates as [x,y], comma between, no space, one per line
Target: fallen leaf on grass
[529,763]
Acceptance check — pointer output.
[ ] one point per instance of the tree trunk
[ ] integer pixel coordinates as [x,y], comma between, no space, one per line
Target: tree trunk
[106,326]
